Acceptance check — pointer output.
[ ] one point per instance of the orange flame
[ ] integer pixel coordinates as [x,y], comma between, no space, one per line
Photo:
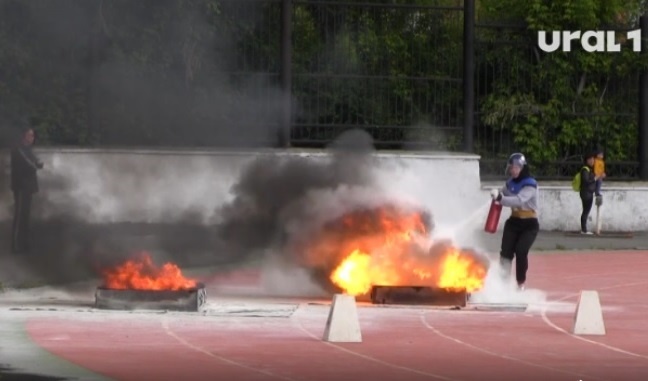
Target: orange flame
[142,274]
[461,272]
[396,252]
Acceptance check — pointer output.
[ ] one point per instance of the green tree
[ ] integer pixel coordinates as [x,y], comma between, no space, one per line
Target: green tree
[561,104]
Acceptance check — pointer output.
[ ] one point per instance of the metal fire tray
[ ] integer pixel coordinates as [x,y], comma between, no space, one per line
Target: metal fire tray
[418,295]
[181,300]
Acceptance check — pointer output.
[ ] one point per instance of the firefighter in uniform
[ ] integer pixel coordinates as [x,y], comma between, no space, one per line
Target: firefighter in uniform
[520,193]
[24,184]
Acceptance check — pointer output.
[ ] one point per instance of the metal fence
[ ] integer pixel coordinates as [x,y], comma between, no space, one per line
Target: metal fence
[385,68]
[405,89]
[298,73]
[495,142]
[398,70]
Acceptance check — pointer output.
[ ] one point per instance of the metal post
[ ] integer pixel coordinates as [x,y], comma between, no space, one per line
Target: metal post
[94,36]
[643,104]
[286,72]
[469,75]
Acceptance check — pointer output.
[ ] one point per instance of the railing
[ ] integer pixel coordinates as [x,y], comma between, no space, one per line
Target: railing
[379,67]
[300,72]
[349,70]
[494,169]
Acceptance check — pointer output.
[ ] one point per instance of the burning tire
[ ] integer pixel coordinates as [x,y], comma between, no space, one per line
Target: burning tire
[388,245]
[139,284]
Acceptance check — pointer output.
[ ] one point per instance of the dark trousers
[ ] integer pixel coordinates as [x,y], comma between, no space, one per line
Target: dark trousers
[587,201]
[517,239]
[21,222]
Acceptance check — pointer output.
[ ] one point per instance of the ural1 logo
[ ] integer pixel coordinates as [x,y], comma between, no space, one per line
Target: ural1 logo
[591,41]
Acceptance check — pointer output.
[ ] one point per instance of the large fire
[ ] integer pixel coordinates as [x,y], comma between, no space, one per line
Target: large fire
[143,274]
[389,246]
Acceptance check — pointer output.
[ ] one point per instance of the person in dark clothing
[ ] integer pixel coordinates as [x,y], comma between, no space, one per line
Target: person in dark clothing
[24,184]
[588,180]
[521,194]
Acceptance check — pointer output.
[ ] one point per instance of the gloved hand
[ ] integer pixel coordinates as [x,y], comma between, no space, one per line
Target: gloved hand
[39,165]
[496,195]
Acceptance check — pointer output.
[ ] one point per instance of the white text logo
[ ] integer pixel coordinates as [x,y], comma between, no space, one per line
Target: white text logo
[591,41]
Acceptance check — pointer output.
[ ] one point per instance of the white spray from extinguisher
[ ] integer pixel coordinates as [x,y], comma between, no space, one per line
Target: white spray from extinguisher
[476,216]
[473,220]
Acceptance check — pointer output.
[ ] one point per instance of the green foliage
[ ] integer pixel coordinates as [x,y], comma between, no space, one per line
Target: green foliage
[145,72]
[173,72]
[375,66]
[563,103]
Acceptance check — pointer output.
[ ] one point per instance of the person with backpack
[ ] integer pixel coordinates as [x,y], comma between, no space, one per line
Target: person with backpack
[521,194]
[585,184]
[599,170]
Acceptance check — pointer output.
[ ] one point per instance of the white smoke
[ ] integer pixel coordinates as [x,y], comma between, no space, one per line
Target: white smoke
[283,278]
[400,182]
[280,276]
[460,209]
[106,187]
[501,289]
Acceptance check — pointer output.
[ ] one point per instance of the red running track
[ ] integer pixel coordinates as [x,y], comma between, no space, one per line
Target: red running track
[398,344]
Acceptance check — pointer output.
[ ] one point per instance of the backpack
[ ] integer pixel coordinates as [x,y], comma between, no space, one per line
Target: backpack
[576,181]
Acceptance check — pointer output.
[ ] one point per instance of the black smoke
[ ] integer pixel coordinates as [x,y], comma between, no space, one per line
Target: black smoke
[274,193]
[281,204]
[90,73]
[270,196]
[284,205]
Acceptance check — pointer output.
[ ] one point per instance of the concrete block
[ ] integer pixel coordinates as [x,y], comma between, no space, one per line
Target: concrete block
[343,325]
[588,318]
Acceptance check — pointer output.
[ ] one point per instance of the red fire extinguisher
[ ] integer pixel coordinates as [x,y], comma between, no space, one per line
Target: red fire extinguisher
[492,221]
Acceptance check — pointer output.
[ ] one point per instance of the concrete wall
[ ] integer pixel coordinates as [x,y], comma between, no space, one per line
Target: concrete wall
[106,186]
[625,207]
